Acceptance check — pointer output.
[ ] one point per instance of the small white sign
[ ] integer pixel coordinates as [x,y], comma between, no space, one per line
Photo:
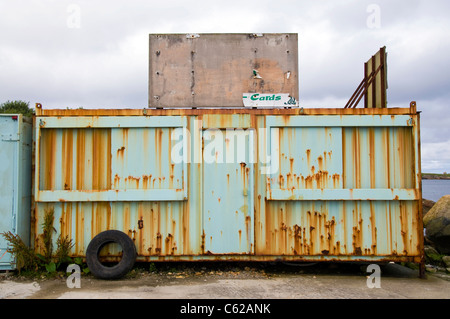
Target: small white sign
[268,100]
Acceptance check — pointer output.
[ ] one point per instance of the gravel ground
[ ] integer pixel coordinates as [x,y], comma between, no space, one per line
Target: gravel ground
[237,281]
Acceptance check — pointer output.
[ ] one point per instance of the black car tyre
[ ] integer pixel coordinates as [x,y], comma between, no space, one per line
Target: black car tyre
[125,264]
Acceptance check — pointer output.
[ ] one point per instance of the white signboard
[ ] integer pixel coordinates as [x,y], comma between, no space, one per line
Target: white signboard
[268,100]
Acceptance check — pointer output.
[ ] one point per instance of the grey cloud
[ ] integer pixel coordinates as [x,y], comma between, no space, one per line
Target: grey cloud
[104,62]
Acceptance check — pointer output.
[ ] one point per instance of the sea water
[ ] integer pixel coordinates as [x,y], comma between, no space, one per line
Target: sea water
[434,189]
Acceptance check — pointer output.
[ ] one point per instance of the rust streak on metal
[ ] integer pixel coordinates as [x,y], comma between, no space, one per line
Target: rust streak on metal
[101,166]
[344,160]
[336,178]
[49,142]
[372,156]
[231,110]
[171,173]
[79,242]
[65,220]
[159,135]
[356,158]
[120,152]
[67,153]
[81,148]
[140,225]
[404,230]
[297,240]
[308,158]
[203,242]
[144,181]
[185,229]
[320,161]
[357,231]
[387,158]
[174,233]
[373,229]
[158,243]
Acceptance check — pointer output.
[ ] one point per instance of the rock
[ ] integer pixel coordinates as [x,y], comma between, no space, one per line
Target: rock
[427,205]
[432,256]
[438,232]
[430,268]
[437,225]
[440,209]
[411,265]
[446,260]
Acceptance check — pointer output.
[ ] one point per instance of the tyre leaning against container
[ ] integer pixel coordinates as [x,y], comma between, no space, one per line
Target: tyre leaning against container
[123,267]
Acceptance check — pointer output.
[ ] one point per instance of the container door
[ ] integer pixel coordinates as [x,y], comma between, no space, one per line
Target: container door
[8,183]
[228,191]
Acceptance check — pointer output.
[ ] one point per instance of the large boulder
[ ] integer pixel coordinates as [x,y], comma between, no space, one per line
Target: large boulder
[432,256]
[439,209]
[437,225]
[427,205]
[446,260]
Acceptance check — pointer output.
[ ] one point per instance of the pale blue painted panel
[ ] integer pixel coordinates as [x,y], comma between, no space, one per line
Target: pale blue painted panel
[339,120]
[344,194]
[141,159]
[15,182]
[380,157]
[309,157]
[112,195]
[102,159]
[227,193]
[111,121]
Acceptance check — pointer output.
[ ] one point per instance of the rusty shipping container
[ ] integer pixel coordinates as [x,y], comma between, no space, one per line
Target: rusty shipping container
[253,181]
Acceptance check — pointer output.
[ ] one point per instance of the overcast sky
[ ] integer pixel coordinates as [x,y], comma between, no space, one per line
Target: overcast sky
[94,54]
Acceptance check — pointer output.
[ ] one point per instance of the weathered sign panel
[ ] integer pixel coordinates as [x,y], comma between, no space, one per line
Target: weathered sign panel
[214,70]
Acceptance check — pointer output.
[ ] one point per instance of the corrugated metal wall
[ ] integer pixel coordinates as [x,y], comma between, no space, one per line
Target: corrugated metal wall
[15,183]
[310,184]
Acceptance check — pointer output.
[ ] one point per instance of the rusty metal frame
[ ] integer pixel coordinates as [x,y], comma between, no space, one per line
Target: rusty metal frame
[362,89]
[149,112]
[256,118]
[338,121]
[107,195]
[369,81]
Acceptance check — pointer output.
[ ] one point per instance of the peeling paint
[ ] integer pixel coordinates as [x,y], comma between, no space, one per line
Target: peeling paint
[341,192]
